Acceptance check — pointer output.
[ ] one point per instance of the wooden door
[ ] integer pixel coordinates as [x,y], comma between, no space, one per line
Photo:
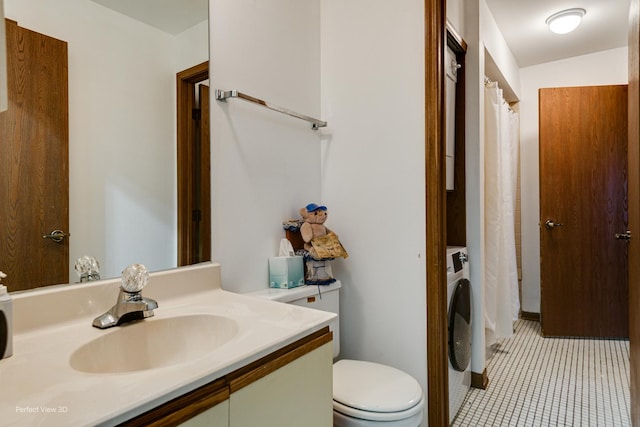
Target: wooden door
[193,159]
[202,182]
[633,158]
[34,172]
[205,175]
[583,178]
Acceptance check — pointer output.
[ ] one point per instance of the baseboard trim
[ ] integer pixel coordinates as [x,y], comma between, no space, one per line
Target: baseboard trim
[480,381]
[527,315]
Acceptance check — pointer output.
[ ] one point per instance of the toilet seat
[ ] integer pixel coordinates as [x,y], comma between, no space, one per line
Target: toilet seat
[379,416]
[375,392]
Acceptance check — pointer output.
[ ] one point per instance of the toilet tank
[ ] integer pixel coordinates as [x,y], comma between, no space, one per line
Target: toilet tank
[324,297]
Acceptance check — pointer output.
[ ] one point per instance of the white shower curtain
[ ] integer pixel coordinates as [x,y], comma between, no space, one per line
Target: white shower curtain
[502,302]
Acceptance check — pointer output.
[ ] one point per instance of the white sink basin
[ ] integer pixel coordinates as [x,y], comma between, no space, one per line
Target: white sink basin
[154,343]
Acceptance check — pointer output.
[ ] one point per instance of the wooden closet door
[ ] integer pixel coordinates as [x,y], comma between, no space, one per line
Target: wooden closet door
[34,171]
[633,158]
[583,192]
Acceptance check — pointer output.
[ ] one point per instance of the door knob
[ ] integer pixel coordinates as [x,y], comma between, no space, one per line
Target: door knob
[551,224]
[624,236]
[56,235]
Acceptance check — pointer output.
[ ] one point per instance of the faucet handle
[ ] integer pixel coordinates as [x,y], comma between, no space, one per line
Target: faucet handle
[88,268]
[134,278]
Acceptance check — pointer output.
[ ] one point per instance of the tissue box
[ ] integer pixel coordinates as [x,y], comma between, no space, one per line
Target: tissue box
[286,272]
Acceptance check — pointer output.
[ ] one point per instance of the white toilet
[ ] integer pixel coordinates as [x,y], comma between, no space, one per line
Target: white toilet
[365,394]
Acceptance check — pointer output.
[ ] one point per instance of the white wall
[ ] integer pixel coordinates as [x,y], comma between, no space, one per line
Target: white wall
[501,65]
[455,15]
[474,172]
[265,165]
[373,171]
[122,163]
[603,68]
[487,54]
[192,46]
[370,172]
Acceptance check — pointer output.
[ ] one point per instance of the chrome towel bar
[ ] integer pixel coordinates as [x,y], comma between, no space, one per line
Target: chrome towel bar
[222,95]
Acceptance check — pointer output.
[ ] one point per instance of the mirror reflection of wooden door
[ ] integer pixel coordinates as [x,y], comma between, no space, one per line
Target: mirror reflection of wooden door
[202,182]
[34,171]
[583,205]
[194,177]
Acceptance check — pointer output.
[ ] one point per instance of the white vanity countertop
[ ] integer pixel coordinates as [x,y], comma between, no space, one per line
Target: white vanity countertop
[39,387]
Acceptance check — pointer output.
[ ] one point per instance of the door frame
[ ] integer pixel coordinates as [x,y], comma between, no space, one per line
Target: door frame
[438,401]
[435,151]
[633,195]
[185,97]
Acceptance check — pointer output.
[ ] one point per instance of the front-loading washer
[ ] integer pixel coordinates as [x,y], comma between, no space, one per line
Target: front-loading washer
[459,327]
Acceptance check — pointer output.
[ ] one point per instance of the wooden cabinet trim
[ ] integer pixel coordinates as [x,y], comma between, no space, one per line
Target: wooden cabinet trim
[187,406]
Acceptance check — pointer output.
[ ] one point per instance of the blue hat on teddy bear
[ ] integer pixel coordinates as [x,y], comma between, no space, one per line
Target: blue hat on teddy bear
[312,207]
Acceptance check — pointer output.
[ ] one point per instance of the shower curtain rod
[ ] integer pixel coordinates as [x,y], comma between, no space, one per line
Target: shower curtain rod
[222,95]
[488,81]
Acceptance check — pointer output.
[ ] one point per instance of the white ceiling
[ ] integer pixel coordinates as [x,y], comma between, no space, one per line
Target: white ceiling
[522,24]
[171,16]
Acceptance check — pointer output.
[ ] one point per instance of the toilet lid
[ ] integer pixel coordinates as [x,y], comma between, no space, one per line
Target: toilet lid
[368,386]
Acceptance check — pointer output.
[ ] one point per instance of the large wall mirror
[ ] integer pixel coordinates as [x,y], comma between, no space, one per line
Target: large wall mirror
[123,57]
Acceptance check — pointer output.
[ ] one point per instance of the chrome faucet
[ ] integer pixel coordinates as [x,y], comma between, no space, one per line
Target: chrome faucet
[131,305]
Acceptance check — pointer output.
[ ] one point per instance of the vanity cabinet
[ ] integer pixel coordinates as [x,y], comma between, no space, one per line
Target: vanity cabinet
[298,394]
[289,387]
[213,417]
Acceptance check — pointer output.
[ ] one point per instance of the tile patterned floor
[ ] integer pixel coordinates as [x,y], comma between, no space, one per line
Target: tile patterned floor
[535,381]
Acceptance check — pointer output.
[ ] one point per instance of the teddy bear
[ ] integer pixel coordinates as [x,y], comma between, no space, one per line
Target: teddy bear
[313,226]
[320,243]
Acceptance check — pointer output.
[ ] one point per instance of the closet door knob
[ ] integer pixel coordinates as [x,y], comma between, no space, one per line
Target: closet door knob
[551,224]
[623,236]
[56,235]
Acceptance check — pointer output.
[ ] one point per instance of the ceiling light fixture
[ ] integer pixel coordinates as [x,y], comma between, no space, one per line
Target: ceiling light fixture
[565,21]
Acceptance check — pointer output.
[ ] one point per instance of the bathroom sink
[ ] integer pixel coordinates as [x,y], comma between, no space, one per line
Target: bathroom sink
[154,343]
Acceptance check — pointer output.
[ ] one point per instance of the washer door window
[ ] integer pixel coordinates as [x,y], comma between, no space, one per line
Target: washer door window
[460,326]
